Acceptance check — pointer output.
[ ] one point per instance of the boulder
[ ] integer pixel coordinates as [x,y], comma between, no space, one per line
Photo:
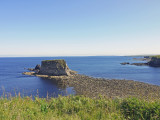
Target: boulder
[55,68]
[36,69]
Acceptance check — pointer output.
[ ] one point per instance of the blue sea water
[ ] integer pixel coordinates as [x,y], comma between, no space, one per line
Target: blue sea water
[13,81]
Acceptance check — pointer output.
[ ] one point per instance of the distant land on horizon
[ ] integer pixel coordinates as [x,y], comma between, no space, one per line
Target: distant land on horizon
[81,55]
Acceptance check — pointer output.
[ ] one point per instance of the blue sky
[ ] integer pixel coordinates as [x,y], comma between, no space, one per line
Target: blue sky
[79,27]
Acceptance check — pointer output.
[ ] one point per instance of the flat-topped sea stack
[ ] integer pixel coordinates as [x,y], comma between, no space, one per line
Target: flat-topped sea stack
[51,68]
[55,68]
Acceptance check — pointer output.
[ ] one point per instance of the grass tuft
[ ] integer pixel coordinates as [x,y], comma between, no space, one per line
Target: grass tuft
[78,108]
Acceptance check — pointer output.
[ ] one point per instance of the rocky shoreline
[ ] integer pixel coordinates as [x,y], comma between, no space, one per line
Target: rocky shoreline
[57,70]
[137,64]
[153,61]
[93,87]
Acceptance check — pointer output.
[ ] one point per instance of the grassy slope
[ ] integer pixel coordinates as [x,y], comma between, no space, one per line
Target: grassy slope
[157,56]
[78,108]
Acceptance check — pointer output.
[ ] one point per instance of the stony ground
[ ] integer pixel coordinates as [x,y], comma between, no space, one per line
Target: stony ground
[93,87]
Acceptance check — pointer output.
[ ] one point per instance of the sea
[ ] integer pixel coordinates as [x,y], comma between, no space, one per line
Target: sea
[13,82]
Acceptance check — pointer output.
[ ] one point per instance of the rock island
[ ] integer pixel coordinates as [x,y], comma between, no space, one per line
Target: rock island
[51,68]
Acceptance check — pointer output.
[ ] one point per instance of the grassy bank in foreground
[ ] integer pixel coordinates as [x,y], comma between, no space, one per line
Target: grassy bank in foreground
[78,108]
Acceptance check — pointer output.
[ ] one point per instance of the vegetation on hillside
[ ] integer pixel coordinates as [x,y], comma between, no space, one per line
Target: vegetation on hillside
[78,108]
[60,62]
[151,56]
[156,56]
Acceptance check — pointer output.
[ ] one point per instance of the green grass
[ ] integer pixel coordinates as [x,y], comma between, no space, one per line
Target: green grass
[155,56]
[78,108]
[61,62]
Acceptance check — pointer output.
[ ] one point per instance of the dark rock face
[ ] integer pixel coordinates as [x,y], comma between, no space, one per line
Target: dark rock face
[55,68]
[151,61]
[137,64]
[154,62]
[146,57]
[38,67]
[125,63]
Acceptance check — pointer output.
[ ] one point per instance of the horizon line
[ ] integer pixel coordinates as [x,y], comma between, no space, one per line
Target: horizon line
[78,55]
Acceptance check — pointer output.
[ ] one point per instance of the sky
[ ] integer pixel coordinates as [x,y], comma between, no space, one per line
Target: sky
[79,27]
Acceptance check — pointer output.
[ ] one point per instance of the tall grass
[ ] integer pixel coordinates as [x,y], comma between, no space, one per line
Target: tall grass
[78,108]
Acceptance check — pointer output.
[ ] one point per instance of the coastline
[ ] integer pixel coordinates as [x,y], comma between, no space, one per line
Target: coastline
[114,88]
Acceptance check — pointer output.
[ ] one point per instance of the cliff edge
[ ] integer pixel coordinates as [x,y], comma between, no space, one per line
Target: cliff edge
[154,62]
[55,68]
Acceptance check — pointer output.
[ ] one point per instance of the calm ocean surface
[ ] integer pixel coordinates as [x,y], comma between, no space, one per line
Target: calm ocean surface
[12,81]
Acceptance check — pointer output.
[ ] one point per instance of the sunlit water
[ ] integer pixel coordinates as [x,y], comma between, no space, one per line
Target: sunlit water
[12,81]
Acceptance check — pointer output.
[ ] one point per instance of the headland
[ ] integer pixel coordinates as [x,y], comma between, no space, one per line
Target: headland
[152,61]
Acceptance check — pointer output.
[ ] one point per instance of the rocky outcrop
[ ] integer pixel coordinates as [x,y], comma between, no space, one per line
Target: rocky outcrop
[154,62]
[137,64]
[125,63]
[38,67]
[51,68]
[55,68]
[146,58]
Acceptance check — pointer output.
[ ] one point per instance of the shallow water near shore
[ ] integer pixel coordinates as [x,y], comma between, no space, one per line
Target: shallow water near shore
[12,81]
